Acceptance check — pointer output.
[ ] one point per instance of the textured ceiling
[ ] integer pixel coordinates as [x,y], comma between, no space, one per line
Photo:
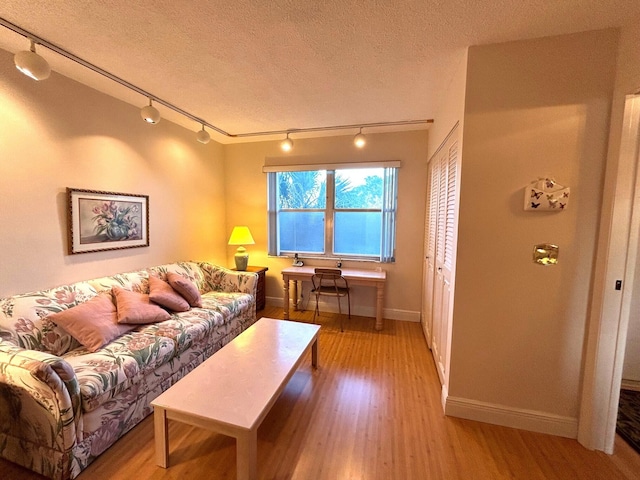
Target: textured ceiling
[249,66]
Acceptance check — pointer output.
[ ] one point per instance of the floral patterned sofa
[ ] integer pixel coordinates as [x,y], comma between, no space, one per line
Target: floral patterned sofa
[61,405]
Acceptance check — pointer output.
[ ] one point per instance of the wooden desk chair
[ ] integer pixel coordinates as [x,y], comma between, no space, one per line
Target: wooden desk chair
[331,283]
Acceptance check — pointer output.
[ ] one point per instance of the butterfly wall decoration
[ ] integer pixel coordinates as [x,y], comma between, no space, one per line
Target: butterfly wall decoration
[545,195]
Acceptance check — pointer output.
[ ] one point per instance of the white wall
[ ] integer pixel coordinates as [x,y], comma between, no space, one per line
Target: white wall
[246,188]
[451,108]
[532,108]
[59,133]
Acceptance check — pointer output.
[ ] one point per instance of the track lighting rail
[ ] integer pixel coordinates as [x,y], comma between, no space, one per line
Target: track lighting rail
[61,51]
[334,127]
[74,58]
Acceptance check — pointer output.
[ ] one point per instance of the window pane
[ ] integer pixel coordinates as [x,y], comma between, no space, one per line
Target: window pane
[302,189]
[359,188]
[357,233]
[301,231]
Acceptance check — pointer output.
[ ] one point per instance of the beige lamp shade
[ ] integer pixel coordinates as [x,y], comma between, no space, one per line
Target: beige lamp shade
[241,236]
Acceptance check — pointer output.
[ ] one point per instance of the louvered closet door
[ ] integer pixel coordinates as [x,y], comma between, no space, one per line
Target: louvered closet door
[430,237]
[442,225]
[438,348]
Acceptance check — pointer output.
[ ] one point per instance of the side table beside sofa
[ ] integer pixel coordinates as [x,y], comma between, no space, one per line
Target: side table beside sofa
[261,292]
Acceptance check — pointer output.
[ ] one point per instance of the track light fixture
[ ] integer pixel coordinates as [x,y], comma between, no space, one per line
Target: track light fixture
[32,64]
[287,144]
[150,114]
[203,136]
[360,140]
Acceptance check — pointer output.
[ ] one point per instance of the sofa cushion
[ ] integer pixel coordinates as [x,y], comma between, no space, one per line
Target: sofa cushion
[228,304]
[93,323]
[163,294]
[136,308]
[186,328]
[186,288]
[189,328]
[114,368]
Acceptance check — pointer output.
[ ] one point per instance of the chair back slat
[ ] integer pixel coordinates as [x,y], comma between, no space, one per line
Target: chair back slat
[329,277]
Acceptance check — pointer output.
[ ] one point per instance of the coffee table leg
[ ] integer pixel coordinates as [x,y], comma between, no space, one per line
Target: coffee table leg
[314,353]
[161,436]
[247,455]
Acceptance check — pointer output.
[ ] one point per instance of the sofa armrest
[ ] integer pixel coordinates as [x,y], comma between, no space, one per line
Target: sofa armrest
[220,279]
[39,400]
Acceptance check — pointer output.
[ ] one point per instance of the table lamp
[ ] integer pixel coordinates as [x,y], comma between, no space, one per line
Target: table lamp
[241,236]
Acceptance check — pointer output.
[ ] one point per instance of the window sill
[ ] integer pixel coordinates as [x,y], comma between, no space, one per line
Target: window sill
[305,258]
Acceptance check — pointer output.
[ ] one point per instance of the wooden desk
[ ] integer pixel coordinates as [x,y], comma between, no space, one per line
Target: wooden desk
[371,278]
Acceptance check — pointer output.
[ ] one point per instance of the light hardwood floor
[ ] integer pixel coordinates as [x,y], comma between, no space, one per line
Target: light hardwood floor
[371,411]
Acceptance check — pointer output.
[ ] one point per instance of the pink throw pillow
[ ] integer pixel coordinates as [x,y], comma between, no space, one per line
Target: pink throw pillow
[93,323]
[186,288]
[163,294]
[136,308]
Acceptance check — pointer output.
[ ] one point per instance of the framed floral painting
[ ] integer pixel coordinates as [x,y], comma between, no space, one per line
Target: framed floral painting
[107,220]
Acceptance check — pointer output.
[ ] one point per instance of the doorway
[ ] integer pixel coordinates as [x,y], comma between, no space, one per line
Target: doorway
[628,423]
[613,290]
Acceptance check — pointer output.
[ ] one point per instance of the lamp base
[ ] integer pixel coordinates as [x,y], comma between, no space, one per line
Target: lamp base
[242,259]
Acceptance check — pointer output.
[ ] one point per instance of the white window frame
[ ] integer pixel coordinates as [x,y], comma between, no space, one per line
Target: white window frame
[388,211]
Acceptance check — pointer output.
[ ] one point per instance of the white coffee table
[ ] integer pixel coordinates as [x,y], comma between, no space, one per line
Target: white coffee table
[232,391]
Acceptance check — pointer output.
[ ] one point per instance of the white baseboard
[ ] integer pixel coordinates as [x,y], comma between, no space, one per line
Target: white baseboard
[630,385]
[531,420]
[403,315]
[358,310]
[444,394]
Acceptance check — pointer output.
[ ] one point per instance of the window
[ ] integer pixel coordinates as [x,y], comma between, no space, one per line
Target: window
[345,213]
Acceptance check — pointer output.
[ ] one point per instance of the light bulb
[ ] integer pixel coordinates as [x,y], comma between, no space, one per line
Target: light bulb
[287,144]
[360,140]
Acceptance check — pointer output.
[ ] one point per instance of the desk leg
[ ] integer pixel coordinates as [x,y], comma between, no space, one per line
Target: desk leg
[379,305]
[161,434]
[285,299]
[295,295]
[247,455]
